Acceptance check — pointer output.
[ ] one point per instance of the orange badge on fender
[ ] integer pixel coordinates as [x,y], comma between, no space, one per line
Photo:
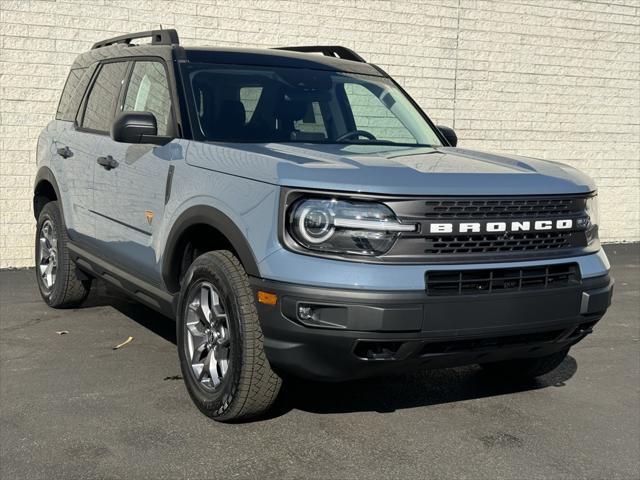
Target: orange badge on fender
[149,215]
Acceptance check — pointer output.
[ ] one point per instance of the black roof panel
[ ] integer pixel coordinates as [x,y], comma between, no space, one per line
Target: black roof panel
[276,58]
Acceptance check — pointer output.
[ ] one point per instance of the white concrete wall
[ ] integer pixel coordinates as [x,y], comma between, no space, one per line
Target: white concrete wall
[556,79]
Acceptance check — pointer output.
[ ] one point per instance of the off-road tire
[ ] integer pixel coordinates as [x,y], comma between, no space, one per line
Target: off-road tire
[526,367]
[70,288]
[249,387]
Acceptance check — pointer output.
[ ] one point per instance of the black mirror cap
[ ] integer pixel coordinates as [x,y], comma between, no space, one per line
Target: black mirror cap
[449,134]
[135,127]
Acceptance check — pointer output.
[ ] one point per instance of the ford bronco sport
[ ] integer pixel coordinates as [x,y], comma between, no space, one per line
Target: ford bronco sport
[298,213]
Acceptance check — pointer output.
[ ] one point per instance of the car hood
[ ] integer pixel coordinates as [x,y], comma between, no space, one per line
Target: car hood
[390,170]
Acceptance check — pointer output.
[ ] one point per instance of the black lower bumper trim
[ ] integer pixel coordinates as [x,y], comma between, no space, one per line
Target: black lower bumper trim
[330,334]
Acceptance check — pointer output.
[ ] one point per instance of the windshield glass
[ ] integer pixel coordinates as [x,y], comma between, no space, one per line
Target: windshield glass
[270,104]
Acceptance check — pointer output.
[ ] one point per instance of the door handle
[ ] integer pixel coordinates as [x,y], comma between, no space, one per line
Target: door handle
[108,162]
[64,152]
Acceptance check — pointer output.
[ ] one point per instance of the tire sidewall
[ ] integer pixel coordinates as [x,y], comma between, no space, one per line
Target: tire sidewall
[218,402]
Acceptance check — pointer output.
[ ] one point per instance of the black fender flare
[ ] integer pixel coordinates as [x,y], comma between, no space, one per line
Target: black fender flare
[45,174]
[205,215]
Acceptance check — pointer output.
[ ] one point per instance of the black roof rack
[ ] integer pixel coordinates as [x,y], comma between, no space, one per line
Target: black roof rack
[158,37]
[335,51]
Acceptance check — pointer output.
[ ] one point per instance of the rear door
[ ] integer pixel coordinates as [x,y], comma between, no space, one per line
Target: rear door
[131,198]
[72,168]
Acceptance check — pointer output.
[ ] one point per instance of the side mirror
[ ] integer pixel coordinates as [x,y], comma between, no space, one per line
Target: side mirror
[449,134]
[136,127]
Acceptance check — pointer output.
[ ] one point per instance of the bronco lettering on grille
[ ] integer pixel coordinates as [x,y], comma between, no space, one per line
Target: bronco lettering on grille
[493,227]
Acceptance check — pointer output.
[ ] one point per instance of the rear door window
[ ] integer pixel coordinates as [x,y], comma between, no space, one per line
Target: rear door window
[103,97]
[148,91]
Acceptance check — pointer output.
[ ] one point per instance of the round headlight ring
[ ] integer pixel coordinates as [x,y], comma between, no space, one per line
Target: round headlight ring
[315,225]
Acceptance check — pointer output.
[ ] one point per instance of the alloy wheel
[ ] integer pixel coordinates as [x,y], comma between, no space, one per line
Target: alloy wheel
[207,336]
[48,254]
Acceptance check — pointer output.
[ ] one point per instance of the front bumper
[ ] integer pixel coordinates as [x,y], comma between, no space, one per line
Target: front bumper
[358,333]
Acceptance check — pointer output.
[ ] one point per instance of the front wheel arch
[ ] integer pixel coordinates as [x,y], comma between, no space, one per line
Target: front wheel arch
[226,233]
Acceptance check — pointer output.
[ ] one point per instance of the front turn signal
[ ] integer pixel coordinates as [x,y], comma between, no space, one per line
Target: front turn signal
[267,298]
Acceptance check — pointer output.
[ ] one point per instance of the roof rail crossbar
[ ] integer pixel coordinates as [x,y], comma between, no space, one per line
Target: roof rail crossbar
[335,51]
[158,37]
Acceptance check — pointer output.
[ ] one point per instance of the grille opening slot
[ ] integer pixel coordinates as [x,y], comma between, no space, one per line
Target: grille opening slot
[451,244]
[457,346]
[377,350]
[473,282]
[507,208]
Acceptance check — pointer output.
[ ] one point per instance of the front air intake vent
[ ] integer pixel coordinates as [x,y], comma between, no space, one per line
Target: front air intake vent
[486,281]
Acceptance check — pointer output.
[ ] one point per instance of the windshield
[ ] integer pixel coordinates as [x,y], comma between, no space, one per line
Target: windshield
[269,104]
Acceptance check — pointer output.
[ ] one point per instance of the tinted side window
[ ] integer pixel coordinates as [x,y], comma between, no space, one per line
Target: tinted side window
[148,91]
[72,94]
[103,97]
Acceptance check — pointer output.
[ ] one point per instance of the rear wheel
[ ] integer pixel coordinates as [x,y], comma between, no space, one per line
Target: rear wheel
[220,341]
[60,284]
[527,367]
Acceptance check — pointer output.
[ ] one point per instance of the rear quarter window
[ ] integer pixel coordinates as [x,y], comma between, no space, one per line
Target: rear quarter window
[72,93]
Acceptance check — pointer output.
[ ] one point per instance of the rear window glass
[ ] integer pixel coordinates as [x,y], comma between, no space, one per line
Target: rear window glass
[72,94]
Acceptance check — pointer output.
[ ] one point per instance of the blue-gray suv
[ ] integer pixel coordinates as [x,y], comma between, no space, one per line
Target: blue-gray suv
[297,213]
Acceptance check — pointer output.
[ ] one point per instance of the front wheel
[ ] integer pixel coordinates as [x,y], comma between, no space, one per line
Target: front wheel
[220,341]
[526,367]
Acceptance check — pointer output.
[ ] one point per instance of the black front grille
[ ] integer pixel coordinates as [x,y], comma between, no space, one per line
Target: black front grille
[514,242]
[486,281]
[457,229]
[478,208]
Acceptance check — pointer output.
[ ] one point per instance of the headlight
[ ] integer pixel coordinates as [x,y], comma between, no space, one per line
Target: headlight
[592,210]
[345,227]
[589,222]
[590,218]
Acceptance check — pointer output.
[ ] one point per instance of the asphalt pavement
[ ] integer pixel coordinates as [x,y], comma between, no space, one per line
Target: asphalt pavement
[72,407]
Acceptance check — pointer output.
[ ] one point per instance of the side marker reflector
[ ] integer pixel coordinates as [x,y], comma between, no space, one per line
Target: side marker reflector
[267,298]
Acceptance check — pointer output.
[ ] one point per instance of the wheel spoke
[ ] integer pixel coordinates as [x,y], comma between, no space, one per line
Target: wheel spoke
[217,309]
[205,367]
[45,252]
[46,231]
[204,310]
[224,365]
[223,341]
[47,270]
[197,332]
[196,355]
[48,274]
[213,368]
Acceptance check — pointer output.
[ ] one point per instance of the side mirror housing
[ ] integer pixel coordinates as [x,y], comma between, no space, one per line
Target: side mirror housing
[449,134]
[136,127]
